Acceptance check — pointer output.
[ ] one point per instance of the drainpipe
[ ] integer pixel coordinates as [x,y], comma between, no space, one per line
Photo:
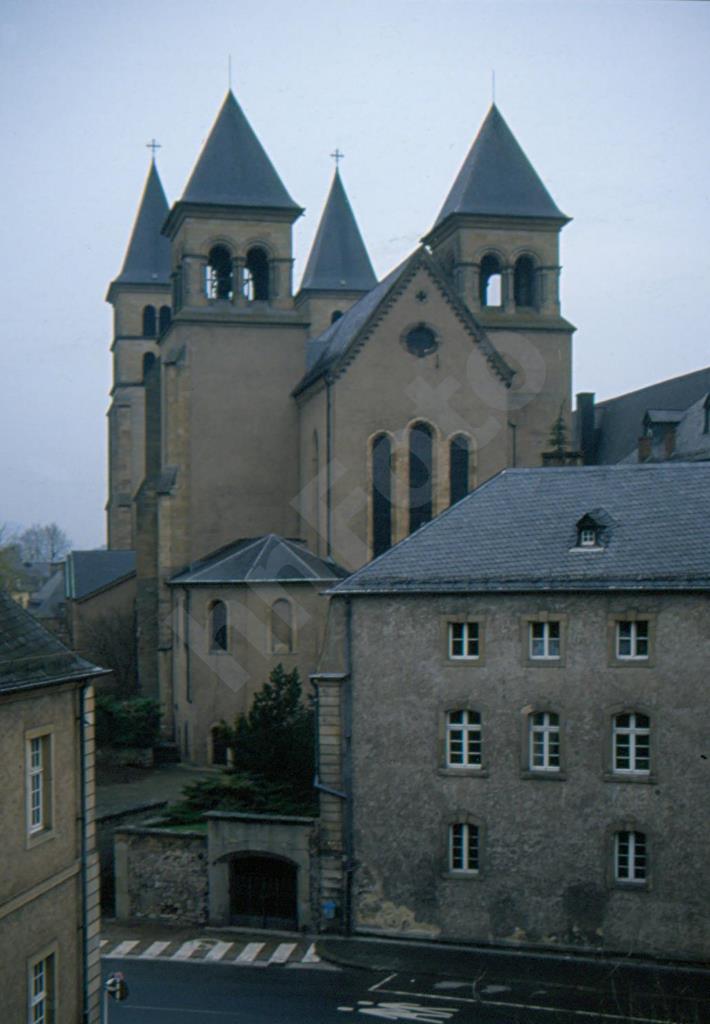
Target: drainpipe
[84,868]
[347,769]
[186,641]
[328,468]
[514,429]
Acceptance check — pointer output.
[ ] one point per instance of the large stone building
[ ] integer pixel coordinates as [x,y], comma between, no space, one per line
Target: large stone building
[345,413]
[49,884]
[537,769]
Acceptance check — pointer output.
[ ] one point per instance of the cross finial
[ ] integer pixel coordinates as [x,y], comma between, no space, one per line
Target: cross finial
[152,146]
[337,156]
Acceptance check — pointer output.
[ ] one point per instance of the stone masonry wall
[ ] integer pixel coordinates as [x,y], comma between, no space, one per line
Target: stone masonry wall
[161,875]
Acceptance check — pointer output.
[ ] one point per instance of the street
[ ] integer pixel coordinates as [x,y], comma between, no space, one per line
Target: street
[192,992]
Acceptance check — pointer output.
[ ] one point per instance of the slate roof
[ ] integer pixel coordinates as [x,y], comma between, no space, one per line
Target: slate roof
[517,532]
[46,602]
[336,345]
[338,260]
[619,420]
[497,179]
[267,559]
[691,441]
[233,168]
[148,255]
[89,571]
[30,656]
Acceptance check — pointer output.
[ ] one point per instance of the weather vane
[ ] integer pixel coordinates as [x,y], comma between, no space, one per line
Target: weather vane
[152,146]
[337,156]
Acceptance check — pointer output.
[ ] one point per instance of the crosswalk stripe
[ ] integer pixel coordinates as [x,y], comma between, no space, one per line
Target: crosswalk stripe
[250,952]
[310,956]
[219,950]
[123,948]
[282,952]
[154,949]
[186,950]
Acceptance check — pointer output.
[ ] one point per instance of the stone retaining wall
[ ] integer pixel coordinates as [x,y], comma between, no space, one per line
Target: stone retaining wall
[161,875]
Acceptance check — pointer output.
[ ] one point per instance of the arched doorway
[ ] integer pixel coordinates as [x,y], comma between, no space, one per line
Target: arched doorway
[263,891]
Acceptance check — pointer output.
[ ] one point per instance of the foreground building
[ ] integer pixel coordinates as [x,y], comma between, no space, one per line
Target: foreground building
[536,772]
[49,890]
[346,412]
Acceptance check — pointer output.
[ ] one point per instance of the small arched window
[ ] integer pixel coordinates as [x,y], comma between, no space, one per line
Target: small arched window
[256,275]
[524,281]
[491,281]
[458,468]
[420,475]
[164,319]
[281,627]
[381,494]
[335,315]
[219,281]
[218,626]
[149,321]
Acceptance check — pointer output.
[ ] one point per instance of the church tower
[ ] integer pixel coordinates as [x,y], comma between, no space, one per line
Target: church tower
[497,238]
[338,271]
[140,297]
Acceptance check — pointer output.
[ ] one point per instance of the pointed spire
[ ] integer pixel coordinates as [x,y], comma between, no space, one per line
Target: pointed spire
[233,168]
[497,179]
[148,255]
[338,261]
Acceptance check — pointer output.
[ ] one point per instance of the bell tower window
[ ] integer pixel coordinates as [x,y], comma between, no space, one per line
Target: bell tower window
[149,321]
[164,319]
[256,275]
[458,468]
[491,281]
[381,494]
[524,281]
[219,282]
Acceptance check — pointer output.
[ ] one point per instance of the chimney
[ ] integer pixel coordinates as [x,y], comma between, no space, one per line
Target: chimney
[644,448]
[669,441]
[586,427]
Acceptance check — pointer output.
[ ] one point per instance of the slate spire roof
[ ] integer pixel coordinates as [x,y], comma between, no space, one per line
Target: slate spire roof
[338,259]
[233,168]
[148,255]
[30,656]
[497,179]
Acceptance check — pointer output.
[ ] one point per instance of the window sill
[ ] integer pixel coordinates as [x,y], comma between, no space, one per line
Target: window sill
[544,774]
[466,662]
[460,876]
[463,773]
[37,838]
[621,885]
[639,778]
[553,661]
[632,661]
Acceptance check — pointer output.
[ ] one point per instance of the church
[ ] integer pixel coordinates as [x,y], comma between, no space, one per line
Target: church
[268,437]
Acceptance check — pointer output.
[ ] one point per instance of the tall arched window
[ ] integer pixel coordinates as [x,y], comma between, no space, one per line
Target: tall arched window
[524,281]
[420,475]
[218,626]
[281,627]
[148,364]
[491,281]
[219,282]
[256,275]
[381,494]
[149,321]
[458,468]
[164,319]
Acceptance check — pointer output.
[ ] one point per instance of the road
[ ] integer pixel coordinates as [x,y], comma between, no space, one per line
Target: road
[217,993]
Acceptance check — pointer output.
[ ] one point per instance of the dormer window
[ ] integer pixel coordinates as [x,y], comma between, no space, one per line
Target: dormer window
[587,537]
[591,531]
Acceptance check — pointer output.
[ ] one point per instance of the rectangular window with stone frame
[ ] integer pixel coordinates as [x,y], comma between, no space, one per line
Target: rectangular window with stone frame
[464,640]
[38,783]
[464,848]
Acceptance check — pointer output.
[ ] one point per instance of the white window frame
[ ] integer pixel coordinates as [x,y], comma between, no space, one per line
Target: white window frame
[466,734]
[634,639]
[38,754]
[470,641]
[587,537]
[40,990]
[464,848]
[551,645]
[630,857]
[544,741]
[635,736]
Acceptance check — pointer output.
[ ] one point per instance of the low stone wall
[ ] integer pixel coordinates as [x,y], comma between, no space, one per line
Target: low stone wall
[161,875]
[106,825]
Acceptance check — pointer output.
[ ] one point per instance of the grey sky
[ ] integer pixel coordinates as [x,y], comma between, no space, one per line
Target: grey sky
[609,101]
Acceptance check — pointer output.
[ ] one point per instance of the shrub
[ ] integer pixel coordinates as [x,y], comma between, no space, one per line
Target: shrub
[133,722]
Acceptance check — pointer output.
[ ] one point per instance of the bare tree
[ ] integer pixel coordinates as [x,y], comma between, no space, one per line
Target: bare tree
[44,543]
[109,640]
